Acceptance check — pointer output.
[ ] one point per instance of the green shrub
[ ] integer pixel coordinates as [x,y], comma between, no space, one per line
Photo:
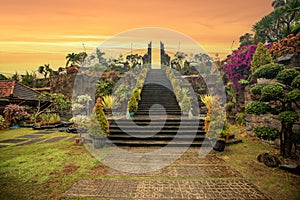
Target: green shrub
[289,117]
[132,104]
[266,133]
[287,76]
[296,82]
[257,107]
[292,96]
[98,126]
[268,71]
[261,57]
[256,90]
[272,92]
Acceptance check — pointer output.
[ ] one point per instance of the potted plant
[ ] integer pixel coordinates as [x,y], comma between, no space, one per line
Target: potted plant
[108,102]
[99,126]
[132,105]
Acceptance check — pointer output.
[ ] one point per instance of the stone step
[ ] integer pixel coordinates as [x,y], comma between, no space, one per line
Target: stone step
[145,143]
[152,138]
[152,127]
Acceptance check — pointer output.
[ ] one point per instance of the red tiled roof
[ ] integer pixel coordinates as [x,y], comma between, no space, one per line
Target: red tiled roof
[17,90]
[6,88]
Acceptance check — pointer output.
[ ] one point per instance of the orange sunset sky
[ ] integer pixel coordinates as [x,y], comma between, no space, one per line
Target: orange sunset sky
[37,32]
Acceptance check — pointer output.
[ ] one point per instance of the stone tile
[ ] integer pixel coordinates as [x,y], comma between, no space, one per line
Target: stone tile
[14,141]
[165,189]
[28,136]
[55,139]
[31,142]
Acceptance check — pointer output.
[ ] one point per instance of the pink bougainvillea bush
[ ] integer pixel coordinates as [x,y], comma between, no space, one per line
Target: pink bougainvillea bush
[237,65]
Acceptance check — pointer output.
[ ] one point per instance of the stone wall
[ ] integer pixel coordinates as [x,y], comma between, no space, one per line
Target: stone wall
[73,84]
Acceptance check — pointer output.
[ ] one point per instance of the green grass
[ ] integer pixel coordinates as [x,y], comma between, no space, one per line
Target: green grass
[42,170]
[274,182]
[47,170]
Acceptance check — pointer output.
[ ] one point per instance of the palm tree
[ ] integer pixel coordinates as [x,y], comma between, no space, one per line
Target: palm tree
[45,70]
[278,3]
[73,58]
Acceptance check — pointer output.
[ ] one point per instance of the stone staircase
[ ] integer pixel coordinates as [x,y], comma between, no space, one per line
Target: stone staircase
[158,120]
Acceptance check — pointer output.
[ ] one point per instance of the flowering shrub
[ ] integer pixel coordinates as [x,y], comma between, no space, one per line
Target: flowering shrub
[80,121]
[15,113]
[288,45]
[237,66]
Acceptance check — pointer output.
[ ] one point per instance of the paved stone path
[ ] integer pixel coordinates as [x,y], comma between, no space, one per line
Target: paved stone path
[189,177]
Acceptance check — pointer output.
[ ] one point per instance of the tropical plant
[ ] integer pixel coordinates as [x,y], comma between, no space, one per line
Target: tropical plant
[3,77]
[72,58]
[207,100]
[104,87]
[28,79]
[281,22]
[108,101]
[134,60]
[45,70]
[278,3]
[15,77]
[49,118]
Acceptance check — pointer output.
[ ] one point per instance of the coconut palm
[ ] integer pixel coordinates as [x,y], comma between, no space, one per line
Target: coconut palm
[73,58]
[278,3]
[45,70]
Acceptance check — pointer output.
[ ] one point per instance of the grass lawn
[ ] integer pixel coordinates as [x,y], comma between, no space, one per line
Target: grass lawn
[41,170]
[47,170]
[274,182]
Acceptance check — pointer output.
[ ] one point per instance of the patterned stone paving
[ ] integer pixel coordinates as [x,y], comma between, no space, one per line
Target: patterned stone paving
[28,136]
[43,132]
[189,177]
[186,172]
[31,142]
[55,139]
[14,141]
[165,189]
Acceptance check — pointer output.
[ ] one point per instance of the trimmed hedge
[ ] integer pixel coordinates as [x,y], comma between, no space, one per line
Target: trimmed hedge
[287,76]
[268,71]
[257,107]
[272,92]
[266,133]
